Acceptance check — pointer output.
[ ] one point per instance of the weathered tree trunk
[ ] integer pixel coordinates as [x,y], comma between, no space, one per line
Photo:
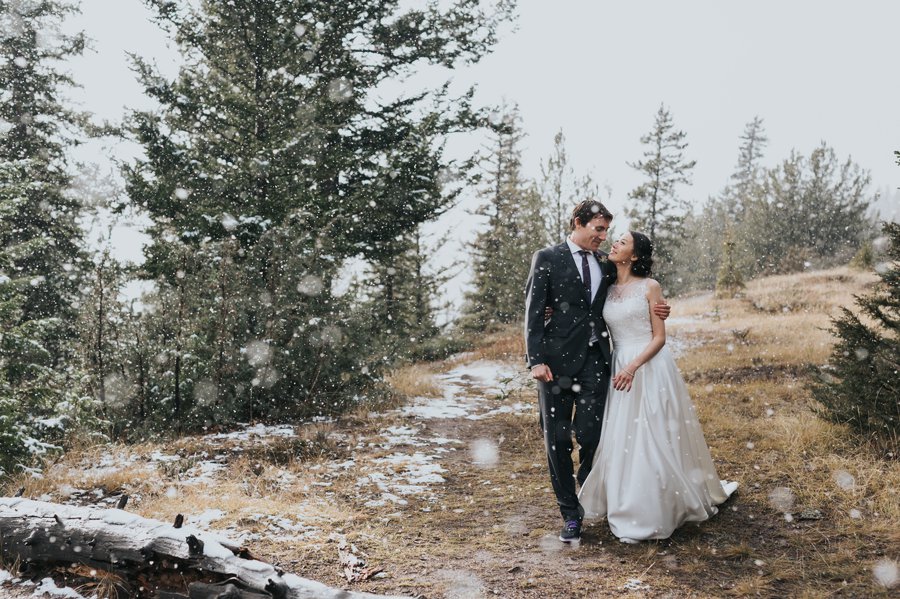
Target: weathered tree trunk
[155,559]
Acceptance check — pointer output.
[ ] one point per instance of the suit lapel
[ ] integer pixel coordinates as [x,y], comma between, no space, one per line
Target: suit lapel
[565,255]
[571,271]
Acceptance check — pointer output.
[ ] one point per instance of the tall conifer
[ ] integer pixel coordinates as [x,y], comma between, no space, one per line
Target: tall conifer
[38,218]
[656,206]
[515,229]
[279,143]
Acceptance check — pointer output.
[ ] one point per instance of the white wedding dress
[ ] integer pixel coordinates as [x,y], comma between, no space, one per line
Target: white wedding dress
[652,471]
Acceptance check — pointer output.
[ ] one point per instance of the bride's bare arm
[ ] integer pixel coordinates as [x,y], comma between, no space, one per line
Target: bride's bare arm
[624,378]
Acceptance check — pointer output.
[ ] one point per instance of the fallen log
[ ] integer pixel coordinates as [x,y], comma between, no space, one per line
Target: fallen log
[155,559]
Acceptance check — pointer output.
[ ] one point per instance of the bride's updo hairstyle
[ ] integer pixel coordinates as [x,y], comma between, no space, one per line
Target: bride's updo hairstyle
[643,249]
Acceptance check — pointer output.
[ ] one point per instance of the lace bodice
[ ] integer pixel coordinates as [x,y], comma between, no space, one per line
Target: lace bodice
[627,314]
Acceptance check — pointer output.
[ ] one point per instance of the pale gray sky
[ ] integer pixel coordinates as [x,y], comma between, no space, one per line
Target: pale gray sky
[812,69]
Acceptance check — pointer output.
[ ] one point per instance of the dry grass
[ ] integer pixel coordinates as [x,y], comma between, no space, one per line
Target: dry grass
[746,361]
[508,345]
[414,380]
[779,321]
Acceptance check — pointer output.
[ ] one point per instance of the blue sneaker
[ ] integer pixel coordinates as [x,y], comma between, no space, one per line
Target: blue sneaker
[571,531]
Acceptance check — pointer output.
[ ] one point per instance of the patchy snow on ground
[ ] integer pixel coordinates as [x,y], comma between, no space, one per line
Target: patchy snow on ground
[205,472]
[203,519]
[486,374]
[468,392]
[47,587]
[448,406]
[399,475]
[401,435]
[399,464]
[255,526]
[256,432]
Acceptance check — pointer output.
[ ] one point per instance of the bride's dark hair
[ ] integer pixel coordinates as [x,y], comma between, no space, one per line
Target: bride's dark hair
[643,249]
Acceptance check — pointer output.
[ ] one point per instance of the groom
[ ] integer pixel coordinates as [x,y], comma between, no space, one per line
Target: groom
[569,355]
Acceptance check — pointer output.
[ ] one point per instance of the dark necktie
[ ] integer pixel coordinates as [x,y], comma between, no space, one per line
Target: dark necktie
[586,279]
[586,273]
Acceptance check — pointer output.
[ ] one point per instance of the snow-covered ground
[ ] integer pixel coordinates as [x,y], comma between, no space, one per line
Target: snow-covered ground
[13,586]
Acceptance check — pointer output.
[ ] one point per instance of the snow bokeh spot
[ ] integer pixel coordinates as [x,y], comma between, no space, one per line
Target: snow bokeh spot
[340,90]
[781,499]
[886,574]
[259,353]
[310,285]
[844,480]
[485,453]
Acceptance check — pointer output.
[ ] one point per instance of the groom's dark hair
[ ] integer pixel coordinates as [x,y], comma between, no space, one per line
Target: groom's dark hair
[586,210]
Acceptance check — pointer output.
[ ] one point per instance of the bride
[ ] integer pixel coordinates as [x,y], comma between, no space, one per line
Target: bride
[652,471]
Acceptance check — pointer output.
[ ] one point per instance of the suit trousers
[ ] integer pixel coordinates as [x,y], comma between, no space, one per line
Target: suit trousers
[585,395]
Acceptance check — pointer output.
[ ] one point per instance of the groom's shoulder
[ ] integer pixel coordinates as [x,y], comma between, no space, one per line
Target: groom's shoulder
[556,248]
[550,250]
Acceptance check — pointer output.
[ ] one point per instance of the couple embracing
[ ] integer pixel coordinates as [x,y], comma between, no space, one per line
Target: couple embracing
[643,462]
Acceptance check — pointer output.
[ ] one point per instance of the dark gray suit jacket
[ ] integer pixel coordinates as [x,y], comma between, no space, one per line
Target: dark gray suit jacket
[554,281]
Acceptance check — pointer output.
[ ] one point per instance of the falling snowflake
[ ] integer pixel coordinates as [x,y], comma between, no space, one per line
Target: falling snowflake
[310,285]
[781,499]
[885,573]
[258,353]
[844,480]
[484,453]
[340,90]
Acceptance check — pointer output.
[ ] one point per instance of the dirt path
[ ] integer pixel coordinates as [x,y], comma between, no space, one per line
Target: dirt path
[490,528]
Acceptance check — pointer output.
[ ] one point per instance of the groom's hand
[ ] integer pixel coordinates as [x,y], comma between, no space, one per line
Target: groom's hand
[542,373]
[662,309]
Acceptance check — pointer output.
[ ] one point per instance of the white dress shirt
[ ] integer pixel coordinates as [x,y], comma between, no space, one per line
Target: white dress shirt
[596,274]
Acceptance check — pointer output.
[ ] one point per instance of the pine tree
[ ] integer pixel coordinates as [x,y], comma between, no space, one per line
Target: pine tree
[40,401]
[515,229]
[560,189]
[101,315]
[38,219]
[808,212]
[403,299]
[276,145]
[700,260]
[656,207]
[41,249]
[862,387]
[409,291]
[747,173]
[555,174]
[275,112]
[729,280]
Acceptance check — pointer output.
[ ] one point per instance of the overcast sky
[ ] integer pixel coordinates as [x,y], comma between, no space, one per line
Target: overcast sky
[814,70]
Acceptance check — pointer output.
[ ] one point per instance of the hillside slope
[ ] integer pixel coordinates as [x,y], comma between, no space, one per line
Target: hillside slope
[447,494]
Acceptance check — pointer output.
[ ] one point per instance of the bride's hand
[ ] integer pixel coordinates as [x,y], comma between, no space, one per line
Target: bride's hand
[623,380]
